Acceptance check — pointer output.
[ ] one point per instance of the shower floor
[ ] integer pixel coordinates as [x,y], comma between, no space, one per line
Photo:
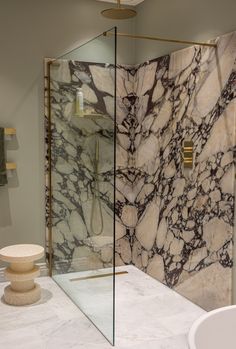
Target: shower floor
[148,315]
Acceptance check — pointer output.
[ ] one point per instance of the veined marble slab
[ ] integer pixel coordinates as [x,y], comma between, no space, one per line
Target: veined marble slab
[82,165]
[171,223]
[180,223]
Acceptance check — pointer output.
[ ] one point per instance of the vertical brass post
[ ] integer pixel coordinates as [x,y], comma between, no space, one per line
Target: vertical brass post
[49,136]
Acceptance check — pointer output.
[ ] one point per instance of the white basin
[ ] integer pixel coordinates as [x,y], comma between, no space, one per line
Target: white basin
[214,330]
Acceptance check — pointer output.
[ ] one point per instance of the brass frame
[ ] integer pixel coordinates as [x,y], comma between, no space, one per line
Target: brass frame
[49,134]
[156,38]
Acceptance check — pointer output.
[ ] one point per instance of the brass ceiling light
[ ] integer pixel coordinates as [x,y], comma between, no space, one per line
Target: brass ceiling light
[119,12]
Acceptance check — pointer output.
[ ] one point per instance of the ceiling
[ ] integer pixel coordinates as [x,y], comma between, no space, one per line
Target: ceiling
[125,2]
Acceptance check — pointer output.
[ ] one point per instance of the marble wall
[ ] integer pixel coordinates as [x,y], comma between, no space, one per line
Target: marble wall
[172,223]
[82,166]
[179,223]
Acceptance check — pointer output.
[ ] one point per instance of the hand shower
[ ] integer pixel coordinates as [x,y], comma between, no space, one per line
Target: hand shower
[96,227]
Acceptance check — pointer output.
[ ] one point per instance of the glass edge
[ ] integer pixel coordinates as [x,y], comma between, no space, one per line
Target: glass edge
[114,220]
[114,29]
[87,42]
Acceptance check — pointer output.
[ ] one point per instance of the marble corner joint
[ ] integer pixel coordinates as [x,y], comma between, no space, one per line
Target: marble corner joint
[21,273]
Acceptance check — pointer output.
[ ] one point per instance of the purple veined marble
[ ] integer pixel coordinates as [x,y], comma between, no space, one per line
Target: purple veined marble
[177,226]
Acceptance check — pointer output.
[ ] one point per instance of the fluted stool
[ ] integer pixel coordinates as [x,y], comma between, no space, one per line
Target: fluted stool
[21,273]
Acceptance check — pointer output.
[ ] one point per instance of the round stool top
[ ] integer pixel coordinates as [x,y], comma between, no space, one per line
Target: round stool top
[21,253]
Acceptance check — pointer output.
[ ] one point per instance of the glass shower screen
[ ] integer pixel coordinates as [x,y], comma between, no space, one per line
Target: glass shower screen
[82,167]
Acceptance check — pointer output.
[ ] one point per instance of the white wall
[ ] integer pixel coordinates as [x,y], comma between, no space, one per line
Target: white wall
[183,19]
[29,31]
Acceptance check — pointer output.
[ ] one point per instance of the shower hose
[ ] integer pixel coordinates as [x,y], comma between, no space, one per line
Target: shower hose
[96,228]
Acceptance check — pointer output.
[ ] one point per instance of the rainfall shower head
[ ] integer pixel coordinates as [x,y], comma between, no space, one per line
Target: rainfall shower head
[119,12]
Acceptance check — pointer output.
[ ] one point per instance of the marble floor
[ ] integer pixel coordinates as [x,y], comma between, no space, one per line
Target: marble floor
[93,292]
[148,315]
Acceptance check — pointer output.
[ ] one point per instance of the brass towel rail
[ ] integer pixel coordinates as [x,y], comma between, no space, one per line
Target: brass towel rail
[9,131]
[11,166]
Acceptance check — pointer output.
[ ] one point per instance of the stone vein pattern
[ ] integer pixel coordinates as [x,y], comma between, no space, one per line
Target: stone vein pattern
[80,204]
[56,322]
[177,225]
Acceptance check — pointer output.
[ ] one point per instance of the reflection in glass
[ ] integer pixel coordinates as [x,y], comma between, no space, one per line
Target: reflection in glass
[82,96]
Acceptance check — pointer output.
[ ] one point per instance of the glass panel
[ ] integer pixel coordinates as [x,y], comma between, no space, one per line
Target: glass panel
[82,95]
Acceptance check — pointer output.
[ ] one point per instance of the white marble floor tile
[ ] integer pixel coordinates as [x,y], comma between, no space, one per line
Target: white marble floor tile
[149,315]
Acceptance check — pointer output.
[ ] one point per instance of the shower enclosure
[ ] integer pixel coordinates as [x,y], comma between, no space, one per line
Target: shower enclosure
[81,177]
[174,207]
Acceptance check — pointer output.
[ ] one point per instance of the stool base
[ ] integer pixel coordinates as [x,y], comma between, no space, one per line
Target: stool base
[22,298]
